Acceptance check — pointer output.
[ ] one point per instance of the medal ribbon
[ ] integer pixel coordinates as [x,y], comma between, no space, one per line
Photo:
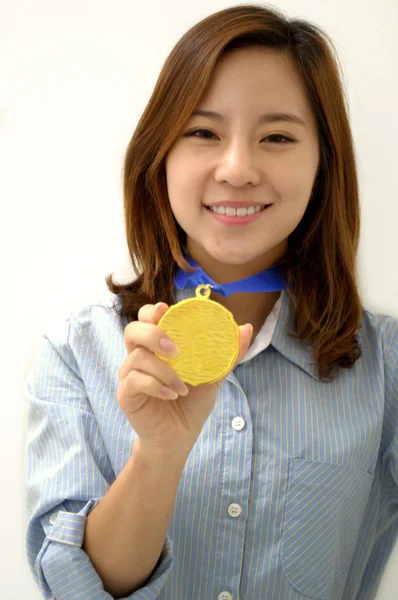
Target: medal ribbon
[269,280]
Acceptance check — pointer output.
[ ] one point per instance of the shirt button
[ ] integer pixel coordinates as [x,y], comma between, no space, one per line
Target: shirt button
[53,518]
[224,596]
[234,510]
[238,423]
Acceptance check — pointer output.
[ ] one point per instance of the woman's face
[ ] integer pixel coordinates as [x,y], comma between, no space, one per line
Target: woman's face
[238,160]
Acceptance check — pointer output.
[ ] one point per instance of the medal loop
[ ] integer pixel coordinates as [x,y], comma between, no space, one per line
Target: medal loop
[203,288]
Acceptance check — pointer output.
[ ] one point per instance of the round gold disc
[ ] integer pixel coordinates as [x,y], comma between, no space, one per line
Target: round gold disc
[206,334]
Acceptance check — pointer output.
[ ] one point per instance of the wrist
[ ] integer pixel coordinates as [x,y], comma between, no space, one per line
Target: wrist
[161,455]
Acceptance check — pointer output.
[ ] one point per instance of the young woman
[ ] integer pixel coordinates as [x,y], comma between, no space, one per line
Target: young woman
[280,480]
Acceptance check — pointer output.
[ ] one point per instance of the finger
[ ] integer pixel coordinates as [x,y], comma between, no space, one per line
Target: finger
[145,361]
[163,383]
[137,383]
[152,313]
[150,336]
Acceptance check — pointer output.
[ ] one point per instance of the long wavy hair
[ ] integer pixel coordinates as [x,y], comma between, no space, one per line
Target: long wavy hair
[319,266]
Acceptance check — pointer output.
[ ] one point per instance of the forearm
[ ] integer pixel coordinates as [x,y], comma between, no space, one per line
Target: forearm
[126,531]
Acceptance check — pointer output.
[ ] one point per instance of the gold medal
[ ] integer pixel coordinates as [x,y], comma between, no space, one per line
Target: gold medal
[206,334]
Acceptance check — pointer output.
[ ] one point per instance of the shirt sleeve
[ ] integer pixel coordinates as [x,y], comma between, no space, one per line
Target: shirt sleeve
[67,473]
[389,442]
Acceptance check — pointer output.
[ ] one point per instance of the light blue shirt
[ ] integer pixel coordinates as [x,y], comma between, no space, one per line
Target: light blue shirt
[290,492]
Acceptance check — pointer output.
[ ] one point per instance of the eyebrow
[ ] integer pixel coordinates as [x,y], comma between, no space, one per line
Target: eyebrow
[262,120]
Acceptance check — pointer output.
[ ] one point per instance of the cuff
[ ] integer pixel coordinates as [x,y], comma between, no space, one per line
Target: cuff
[65,571]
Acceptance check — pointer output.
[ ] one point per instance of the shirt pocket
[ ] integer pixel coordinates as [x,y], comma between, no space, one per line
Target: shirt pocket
[325,505]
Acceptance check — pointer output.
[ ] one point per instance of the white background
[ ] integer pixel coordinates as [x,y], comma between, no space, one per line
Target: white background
[75,77]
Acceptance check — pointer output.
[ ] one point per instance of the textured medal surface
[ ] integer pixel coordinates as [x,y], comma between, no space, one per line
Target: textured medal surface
[206,334]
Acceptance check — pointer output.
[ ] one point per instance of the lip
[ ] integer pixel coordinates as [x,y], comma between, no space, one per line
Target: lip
[237,221]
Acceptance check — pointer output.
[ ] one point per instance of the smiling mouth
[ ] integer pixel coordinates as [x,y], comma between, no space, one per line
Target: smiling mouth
[236,216]
[234,212]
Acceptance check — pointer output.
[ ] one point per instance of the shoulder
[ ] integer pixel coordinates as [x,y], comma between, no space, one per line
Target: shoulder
[96,321]
[379,336]
[100,309]
[380,326]
[85,323]
[89,336]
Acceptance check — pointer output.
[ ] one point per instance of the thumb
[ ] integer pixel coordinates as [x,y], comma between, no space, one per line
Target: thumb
[245,336]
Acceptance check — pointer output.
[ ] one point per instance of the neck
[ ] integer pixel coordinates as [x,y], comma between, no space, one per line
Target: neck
[251,308]
[225,273]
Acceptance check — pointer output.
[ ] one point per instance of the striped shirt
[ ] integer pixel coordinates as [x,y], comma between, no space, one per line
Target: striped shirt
[290,491]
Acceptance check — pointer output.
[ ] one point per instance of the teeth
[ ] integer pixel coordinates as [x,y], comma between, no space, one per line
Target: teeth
[240,212]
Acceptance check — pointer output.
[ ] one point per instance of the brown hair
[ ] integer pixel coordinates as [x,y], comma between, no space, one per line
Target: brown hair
[319,266]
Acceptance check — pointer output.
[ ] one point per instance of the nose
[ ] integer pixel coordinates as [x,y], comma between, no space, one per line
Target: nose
[237,165]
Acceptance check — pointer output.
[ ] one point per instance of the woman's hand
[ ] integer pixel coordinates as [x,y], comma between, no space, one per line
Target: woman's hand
[163,421]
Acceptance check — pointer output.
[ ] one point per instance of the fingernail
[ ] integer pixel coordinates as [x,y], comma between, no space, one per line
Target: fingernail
[168,393]
[168,346]
[180,387]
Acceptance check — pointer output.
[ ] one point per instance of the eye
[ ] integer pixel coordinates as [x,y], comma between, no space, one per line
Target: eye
[272,135]
[280,136]
[201,131]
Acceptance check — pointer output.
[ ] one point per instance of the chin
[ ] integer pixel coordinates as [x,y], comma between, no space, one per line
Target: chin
[236,257]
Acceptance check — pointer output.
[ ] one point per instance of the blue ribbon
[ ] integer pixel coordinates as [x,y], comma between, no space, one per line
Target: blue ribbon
[269,280]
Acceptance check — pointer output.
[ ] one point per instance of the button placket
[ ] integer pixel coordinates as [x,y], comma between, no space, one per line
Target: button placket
[234,509]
